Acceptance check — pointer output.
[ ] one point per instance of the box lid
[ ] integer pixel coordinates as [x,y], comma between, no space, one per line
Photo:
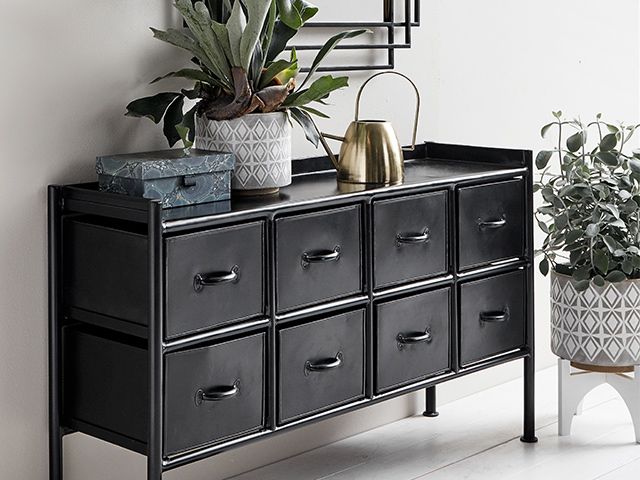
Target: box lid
[164,163]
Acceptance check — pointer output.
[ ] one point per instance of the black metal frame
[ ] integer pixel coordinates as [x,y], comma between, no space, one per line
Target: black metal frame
[73,200]
[390,23]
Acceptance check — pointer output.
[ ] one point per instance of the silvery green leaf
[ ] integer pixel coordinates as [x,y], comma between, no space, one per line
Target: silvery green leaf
[598,281]
[576,141]
[616,276]
[544,267]
[592,230]
[582,285]
[307,124]
[545,129]
[328,48]
[153,107]
[634,165]
[235,28]
[608,142]
[257,11]
[198,19]
[173,117]
[601,261]
[542,159]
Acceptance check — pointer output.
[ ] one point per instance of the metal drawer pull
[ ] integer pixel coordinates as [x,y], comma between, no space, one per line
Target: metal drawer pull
[323,365]
[202,280]
[413,238]
[218,394]
[492,224]
[321,256]
[415,337]
[494,317]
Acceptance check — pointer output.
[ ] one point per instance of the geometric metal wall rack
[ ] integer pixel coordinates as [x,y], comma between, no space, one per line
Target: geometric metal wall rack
[396,27]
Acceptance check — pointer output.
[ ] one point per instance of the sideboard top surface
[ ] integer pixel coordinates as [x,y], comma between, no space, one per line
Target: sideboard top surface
[314,184]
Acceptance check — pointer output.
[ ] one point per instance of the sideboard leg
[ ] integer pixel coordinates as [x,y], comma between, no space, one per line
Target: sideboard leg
[529,435]
[156,336]
[55,318]
[430,410]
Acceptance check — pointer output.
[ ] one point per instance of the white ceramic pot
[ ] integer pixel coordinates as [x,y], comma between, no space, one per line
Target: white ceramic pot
[600,326]
[261,143]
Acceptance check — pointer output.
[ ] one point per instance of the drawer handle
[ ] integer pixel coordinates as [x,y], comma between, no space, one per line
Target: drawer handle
[218,394]
[414,337]
[492,224]
[323,365]
[202,280]
[321,256]
[413,238]
[494,317]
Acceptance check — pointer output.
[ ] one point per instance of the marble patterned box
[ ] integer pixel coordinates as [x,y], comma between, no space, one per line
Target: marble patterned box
[173,176]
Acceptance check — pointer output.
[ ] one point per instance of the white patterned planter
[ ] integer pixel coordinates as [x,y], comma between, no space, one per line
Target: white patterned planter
[600,326]
[261,143]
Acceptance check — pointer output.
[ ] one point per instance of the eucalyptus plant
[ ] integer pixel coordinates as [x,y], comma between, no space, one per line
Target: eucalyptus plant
[238,69]
[591,209]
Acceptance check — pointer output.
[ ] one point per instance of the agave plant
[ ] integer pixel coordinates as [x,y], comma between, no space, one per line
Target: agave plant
[238,69]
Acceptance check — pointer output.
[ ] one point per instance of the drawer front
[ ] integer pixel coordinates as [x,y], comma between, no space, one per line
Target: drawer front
[492,316]
[491,223]
[412,338]
[321,365]
[318,257]
[410,238]
[214,393]
[215,278]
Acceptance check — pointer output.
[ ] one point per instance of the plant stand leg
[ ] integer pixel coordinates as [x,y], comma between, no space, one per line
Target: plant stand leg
[430,397]
[629,389]
[574,386]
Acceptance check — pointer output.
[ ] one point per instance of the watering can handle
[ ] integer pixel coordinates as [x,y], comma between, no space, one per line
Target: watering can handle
[418,101]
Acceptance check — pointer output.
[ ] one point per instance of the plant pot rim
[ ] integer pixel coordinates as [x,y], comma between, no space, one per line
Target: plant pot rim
[628,280]
[259,114]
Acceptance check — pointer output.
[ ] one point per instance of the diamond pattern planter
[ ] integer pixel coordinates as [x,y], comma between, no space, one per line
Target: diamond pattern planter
[600,326]
[261,143]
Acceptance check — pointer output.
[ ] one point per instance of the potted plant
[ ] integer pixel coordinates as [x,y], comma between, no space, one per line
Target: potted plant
[591,218]
[244,93]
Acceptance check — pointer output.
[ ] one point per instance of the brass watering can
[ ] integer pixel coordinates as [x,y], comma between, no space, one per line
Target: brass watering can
[371,152]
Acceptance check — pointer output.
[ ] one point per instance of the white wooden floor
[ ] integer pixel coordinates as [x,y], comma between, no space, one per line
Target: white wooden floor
[478,438]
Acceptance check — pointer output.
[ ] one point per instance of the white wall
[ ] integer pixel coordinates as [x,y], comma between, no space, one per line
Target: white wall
[490,72]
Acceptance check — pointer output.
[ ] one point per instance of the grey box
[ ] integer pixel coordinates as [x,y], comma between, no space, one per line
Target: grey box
[172,176]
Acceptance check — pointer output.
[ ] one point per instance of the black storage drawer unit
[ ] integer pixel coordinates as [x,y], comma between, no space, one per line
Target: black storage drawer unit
[492,316]
[410,238]
[92,284]
[214,393]
[182,333]
[106,383]
[490,223]
[318,257]
[321,365]
[412,338]
[215,277]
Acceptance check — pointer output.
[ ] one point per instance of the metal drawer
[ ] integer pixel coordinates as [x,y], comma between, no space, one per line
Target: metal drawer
[321,365]
[214,393]
[215,277]
[410,238]
[490,223]
[492,316]
[318,257]
[413,338]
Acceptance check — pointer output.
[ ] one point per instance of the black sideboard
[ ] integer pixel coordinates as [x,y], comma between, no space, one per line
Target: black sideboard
[182,333]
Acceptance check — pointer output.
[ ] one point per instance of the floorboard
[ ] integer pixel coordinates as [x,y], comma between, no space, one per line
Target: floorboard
[477,438]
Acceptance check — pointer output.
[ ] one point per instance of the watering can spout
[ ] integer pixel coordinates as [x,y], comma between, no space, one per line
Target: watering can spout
[325,145]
